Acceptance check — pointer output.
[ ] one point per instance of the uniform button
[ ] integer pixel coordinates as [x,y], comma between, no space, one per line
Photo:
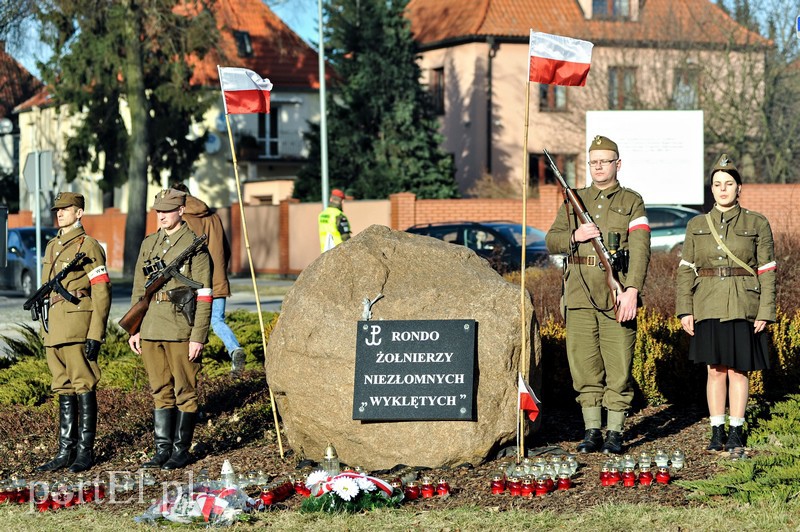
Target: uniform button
[599,206]
[597,216]
[58,253]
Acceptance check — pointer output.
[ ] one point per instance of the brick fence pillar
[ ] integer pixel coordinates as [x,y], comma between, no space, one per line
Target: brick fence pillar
[283,236]
[403,210]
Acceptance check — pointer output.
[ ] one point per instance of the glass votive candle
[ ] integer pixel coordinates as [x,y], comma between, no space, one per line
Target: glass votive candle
[514,486]
[573,464]
[645,460]
[645,476]
[412,490]
[614,475]
[527,465]
[677,459]
[427,490]
[628,477]
[442,488]
[661,458]
[628,461]
[662,477]
[541,487]
[527,487]
[550,470]
[498,484]
[604,475]
[564,482]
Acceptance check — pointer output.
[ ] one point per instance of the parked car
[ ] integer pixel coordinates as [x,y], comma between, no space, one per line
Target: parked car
[20,272]
[668,226]
[498,242]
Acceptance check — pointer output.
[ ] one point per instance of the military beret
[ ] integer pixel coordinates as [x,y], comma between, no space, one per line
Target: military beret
[169,200]
[724,164]
[67,199]
[600,142]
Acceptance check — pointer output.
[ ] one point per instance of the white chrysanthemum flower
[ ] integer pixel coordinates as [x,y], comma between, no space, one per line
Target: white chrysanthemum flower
[364,484]
[316,477]
[344,487]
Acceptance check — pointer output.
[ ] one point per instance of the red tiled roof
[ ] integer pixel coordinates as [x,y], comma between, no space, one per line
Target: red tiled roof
[278,53]
[16,83]
[661,22]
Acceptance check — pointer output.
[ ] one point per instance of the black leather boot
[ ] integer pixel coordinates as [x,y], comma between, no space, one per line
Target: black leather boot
[736,438]
[184,430]
[67,434]
[164,428]
[613,443]
[717,438]
[592,441]
[87,403]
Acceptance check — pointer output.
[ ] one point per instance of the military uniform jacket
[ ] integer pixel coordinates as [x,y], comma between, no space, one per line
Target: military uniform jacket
[70,323]
[615,209]
[749,237]
[163,320]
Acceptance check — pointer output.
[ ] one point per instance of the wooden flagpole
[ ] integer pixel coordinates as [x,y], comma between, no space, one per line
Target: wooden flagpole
[523,359]
[252,272]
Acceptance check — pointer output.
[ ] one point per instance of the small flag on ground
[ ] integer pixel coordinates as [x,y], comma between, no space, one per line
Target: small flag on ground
[557,60]
[527,399]
[243,91]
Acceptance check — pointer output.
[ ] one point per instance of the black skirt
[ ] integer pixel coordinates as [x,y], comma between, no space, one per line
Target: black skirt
[729,343]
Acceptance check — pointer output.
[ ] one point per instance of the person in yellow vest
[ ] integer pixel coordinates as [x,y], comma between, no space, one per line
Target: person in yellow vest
[77,328]
[333,225]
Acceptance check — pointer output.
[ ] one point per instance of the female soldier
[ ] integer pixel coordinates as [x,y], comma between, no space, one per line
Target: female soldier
[725,298]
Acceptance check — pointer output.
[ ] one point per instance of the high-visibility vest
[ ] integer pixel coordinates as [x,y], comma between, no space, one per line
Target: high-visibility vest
[329,235]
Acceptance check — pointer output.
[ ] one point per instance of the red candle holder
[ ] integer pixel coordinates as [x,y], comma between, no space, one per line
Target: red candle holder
[564,482]
[427,490]
[442,488]
[412,491]
[527,488]
[604,476]
[397,486]
[514,485]
[613,476]
[645,476]
[662,477]
[267,496]
[43,504]
[628,477]
[498,484]
[549,483]
[541,487]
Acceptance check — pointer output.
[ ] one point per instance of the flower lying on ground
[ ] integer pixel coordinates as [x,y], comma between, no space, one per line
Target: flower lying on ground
[348,492]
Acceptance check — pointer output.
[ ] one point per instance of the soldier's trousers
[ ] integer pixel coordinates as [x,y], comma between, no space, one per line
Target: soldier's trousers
[172,376]
[600,354]
[72,373]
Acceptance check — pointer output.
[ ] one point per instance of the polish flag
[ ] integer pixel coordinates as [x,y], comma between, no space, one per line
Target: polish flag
[557,60]
[527,400]
[243,91]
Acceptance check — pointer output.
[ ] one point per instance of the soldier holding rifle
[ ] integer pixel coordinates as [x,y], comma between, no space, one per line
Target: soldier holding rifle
[170,336]
[77,299]
[601,322]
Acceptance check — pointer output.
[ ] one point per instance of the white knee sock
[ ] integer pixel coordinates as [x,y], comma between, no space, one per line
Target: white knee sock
[736,421]
[717,420]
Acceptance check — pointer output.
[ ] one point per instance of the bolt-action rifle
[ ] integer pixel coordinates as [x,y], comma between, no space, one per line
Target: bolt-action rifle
[39,303]
[606,260]
[132,320]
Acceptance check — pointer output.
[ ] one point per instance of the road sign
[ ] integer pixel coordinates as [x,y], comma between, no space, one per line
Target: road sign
[45,170]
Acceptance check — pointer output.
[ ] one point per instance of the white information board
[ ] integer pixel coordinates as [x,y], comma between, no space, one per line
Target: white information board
[661,152]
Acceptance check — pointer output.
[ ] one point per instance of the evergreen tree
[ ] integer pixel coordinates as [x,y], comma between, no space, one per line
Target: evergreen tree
[382,131]
[125,53]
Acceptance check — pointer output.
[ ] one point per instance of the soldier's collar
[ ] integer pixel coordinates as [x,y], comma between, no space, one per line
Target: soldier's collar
[68,233]
[730,214]
[610,191]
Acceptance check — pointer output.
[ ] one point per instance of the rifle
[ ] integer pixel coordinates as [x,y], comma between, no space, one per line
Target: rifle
[132,320]
[606,260]
[39,303]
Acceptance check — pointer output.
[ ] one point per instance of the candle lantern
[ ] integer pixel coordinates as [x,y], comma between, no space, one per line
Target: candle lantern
[661,458]
[613,475]
[527,465]
[645,460]
[677,459]
[442,488]
[397,486]
[498,484]
[330,461]
[564,482]
[427,490]
[226,475]
[628,477]
[662,477]
[541,487]
[300,487]
[604,475]
[628,461]
[549,483]
[527,487]
[514,486]
[645,476]
[412,491]
[573,464]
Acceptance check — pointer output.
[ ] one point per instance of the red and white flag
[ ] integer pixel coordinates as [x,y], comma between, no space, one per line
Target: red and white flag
[557,60]
[527,400]
[243,91]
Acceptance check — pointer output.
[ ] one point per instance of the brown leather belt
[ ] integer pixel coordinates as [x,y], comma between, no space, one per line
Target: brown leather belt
[159,297]
[55,298]
[591,260]
[724,271]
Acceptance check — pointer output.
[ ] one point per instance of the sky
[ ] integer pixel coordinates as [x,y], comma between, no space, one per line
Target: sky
[300,15]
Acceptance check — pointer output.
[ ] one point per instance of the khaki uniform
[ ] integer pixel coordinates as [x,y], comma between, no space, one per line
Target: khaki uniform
[749,237]
[71,325]
[165,332]
[600,350]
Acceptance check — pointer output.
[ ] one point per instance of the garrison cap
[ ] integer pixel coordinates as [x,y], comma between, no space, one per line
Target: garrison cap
[67,199]
[724,164]
[600,142]
[169,200]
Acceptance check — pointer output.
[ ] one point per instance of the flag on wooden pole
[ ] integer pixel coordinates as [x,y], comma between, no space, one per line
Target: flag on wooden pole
[557,60]
[243,91]
[527,399]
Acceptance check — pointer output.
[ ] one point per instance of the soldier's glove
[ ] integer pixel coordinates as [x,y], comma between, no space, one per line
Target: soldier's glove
[91,350]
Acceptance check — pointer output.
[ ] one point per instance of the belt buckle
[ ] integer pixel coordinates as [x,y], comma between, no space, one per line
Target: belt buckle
[591,260]
[725,271]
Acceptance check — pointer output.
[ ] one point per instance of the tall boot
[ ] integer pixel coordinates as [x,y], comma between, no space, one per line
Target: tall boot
[88,427]
[184,430]
[67,434]
[164,427]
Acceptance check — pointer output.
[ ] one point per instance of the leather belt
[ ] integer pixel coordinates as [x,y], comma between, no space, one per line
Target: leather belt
[591,260]
[724,271]
[159,297]
[55,298]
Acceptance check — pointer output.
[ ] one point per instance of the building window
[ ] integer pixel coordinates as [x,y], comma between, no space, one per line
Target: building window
[436,88]
[552,98]
[244,48]
[622,88]
[686,91]
[541,173]
[611,9]
[268,143]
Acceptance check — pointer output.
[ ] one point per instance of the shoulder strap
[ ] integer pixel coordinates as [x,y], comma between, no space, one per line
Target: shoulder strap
[724,248]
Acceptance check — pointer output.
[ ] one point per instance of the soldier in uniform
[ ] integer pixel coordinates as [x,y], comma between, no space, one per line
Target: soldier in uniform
[600,341]
[333,225]
[77,328]
[726,298]
[169,345]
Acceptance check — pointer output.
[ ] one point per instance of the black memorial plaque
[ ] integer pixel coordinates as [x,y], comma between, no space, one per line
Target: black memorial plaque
[414,370]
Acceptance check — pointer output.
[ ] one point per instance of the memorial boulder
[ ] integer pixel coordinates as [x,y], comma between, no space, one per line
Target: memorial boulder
[311,355]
